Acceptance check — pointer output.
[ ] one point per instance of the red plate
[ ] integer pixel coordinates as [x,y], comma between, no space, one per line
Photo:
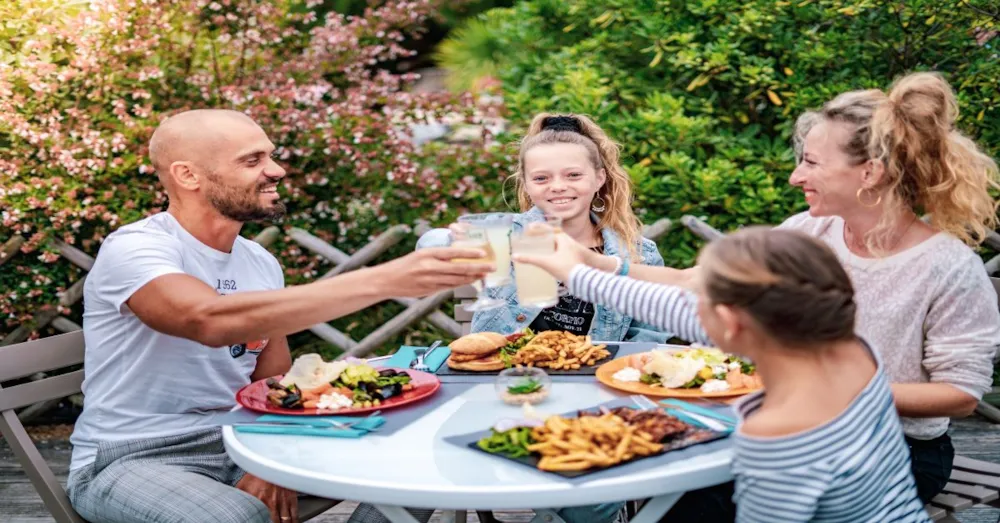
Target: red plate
[254,397]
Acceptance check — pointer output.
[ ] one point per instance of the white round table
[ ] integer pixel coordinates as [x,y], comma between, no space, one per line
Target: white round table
[415,468]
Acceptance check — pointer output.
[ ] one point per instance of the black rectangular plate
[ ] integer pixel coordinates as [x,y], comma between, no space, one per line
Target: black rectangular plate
[589,370]
[695,436]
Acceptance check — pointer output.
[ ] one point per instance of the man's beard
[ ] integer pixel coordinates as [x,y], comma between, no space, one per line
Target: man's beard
[242,204]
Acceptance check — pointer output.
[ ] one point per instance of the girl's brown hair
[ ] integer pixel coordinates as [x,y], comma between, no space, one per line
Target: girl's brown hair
[791,284]
[604,154]
[929,165]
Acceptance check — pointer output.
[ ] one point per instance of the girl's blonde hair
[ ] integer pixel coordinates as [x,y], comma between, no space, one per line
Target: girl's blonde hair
[604,154]
[929,165]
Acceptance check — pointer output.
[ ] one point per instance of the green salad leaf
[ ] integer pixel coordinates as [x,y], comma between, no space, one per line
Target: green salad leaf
[383,381]
[649,379]
[526,387]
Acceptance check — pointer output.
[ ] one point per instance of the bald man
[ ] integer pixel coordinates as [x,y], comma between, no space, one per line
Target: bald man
[180,312]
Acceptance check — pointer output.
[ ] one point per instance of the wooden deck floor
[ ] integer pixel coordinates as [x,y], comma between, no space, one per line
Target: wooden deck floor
[974,437]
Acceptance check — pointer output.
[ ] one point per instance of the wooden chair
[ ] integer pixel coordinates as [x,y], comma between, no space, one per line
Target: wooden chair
[972,482]
[51,354]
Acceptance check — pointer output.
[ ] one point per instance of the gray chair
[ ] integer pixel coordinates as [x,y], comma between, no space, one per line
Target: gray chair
[52,354]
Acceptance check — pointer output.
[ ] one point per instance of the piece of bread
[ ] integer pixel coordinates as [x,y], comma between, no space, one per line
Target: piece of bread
[478,343]
[481,365]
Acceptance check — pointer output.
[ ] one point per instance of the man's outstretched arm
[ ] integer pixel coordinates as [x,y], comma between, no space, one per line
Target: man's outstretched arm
[182,305]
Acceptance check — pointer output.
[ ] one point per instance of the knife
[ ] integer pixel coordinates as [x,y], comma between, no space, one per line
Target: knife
[695,419]
[706,412]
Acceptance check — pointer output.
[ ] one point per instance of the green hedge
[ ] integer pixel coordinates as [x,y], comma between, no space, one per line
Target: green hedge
[703,93]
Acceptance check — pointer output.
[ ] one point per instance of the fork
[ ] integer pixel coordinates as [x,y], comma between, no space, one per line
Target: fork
[418,363]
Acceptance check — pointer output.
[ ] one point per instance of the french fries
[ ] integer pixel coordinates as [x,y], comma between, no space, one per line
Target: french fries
[560,350]
[568,444]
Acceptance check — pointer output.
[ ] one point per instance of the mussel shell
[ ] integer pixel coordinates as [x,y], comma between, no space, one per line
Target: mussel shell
[291,401]
[273,383]
[391,390]
[387,373]
[276,397]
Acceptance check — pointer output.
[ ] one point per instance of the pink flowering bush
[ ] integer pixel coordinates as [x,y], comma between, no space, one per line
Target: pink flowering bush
[83,85]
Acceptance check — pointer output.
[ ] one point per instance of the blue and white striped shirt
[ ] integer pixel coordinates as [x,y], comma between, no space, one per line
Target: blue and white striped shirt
[854,468]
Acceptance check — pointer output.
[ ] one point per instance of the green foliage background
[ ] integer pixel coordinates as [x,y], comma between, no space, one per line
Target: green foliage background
[703,94]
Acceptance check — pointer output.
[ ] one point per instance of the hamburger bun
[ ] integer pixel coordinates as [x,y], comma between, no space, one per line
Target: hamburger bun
[489,363]
[478,344]
[456,357]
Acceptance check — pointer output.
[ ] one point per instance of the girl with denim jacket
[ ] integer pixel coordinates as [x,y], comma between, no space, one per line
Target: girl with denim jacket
[568,168]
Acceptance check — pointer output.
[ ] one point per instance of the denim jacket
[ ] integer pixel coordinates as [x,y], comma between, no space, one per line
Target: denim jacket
[608,324]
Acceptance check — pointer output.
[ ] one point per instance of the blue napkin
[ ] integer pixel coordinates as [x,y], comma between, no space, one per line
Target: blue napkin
[402,358]
[324,426]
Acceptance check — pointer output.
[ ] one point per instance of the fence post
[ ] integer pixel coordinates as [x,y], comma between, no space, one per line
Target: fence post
[700,228]
[10,248]
[412,314]
[335,255]
[657,229]
[369,252]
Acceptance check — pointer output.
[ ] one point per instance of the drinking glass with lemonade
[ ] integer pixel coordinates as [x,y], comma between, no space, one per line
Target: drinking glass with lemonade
[535,286]
[490,233]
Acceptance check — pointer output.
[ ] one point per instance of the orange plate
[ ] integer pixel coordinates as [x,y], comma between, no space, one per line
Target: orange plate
[606,371]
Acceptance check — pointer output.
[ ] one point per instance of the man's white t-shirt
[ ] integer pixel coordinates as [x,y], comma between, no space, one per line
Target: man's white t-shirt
[140,383]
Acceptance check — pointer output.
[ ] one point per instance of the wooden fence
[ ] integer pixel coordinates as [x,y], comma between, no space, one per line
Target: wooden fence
[416,309]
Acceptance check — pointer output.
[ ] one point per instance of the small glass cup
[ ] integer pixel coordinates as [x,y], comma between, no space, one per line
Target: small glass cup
[489,232]
[519,385]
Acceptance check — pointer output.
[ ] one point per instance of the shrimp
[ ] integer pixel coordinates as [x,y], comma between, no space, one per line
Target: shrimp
[752,382]
[735,379]
[640,360]
[315,393]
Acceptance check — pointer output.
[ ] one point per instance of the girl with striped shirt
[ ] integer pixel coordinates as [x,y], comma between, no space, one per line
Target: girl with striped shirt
[824,442]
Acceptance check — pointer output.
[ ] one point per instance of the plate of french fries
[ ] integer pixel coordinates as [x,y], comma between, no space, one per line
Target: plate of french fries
[575,444]
[562,351]
[587,441]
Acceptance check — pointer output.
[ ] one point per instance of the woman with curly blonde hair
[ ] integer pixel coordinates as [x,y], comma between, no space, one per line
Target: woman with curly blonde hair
[870,164]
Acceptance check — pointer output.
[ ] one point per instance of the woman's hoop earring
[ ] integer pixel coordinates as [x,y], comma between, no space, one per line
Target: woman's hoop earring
[598,207]
[862,201]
